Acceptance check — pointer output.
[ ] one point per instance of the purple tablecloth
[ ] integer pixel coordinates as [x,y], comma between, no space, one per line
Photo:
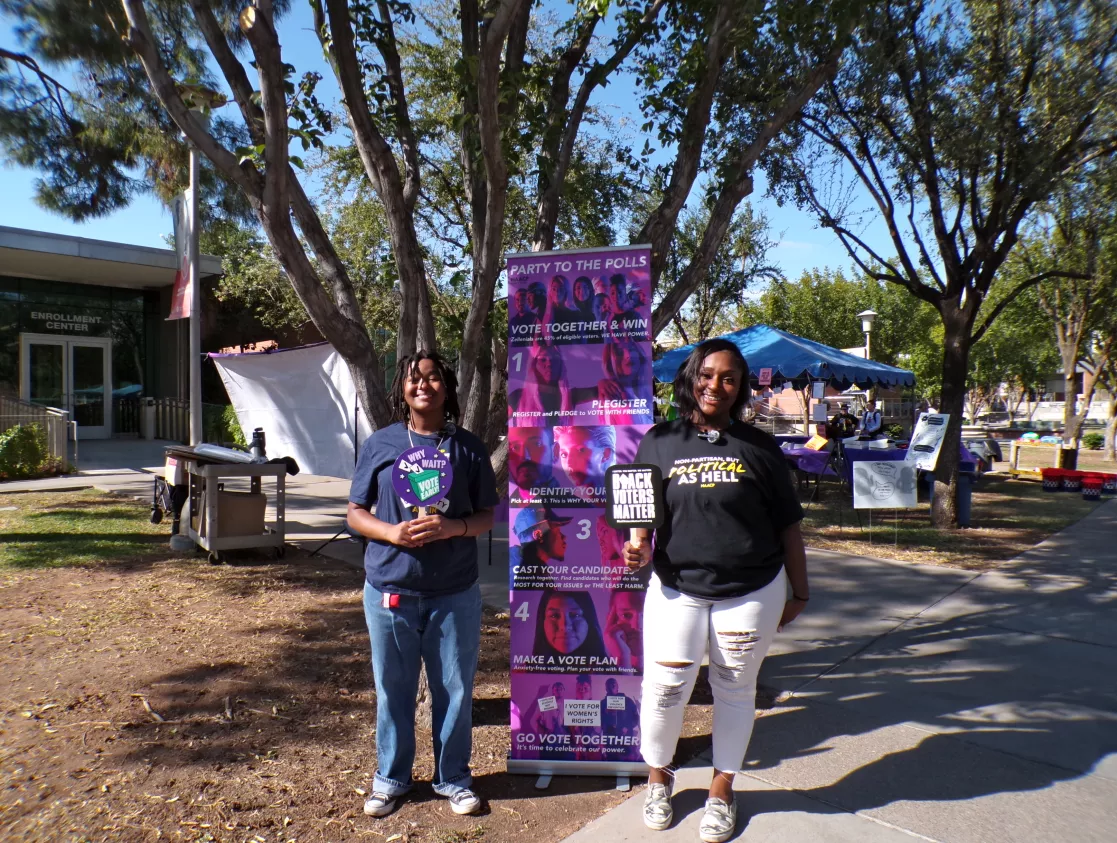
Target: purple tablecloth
[814,462]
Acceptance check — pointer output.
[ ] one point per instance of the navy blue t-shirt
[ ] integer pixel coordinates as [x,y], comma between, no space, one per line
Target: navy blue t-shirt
[448,566]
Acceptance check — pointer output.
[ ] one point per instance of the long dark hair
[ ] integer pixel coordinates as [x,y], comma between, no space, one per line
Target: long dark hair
[687,377]
[592,647]
[404,370]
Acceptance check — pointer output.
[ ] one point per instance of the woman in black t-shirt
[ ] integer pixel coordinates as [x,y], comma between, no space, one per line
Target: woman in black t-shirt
[728,547]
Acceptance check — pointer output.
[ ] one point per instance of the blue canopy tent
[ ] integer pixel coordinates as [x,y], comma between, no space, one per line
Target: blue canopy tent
[794,361]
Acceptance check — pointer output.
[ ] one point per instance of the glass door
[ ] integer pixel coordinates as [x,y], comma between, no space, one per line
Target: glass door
[90,388]
[45,382]
[70,374]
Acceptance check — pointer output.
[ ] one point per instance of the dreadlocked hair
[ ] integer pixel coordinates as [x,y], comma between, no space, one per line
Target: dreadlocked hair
[406,367]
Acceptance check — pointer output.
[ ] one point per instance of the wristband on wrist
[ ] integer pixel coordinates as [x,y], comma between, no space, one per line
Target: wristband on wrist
[465,525]
[795,596]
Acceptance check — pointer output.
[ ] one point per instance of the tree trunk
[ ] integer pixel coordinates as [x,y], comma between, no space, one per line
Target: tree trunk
[475,404]
[1069,354]
[498,396]
[955,365]
[1111,429]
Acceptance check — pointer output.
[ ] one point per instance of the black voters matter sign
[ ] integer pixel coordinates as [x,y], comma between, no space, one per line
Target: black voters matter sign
[634,496]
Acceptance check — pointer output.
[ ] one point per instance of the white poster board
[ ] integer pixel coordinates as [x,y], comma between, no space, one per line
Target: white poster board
[926,440]
[888,484]
[305,400]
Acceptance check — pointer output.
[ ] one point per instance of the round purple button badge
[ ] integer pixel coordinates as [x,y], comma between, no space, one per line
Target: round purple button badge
[422,476]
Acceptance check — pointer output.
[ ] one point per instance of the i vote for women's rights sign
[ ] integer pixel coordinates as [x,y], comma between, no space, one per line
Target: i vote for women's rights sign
[579,400]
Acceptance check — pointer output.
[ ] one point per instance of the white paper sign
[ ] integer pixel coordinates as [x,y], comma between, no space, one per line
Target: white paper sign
[548,703]
[615,703]
[818,413]
[926,440]
[818,390]
[888,484]
[765,378]
[581,713]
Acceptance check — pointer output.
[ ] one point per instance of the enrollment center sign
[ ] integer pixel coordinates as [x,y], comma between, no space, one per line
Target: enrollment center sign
[579,401]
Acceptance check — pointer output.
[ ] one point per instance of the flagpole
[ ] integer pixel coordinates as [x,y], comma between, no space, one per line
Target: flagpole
[195,305]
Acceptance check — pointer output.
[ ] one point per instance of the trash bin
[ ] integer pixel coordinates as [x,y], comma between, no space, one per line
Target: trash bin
[966,481]
[147,419]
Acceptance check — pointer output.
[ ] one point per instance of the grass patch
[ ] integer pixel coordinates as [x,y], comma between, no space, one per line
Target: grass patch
[76,529]
[1008,517]
[1094,461]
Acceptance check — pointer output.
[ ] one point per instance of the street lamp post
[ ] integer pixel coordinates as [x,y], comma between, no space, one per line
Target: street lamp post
[867,317]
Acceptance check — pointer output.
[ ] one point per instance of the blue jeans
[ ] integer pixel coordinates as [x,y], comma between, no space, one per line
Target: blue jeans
[445,632]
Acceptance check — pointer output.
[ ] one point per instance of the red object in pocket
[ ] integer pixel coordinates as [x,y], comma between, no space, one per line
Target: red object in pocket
[389,601]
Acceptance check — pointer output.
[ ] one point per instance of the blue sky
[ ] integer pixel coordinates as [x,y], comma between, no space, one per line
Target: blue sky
[147,222]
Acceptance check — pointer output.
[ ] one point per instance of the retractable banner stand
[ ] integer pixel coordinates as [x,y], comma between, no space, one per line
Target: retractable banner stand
[579,399]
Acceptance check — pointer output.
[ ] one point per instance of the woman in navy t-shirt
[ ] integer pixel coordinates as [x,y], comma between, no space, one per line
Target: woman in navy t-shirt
[421,598]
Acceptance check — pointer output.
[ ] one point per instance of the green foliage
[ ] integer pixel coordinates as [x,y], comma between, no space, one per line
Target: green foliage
[78,108]
[1093,441]
[741,263]
[220,425]
[823,306]
[24,454]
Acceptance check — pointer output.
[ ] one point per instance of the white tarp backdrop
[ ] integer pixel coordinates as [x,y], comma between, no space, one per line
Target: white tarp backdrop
[305,401]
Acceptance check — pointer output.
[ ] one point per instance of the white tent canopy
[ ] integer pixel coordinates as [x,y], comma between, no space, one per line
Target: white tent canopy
[305,401]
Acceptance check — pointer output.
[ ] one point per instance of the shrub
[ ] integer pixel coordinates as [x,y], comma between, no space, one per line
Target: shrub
[24,454]
[1093,441]
[220,425]
[895,431]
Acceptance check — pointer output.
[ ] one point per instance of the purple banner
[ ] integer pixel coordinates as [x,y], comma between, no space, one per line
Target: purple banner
[580,400]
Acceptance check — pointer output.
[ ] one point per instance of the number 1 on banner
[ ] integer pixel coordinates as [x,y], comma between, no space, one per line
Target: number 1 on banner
[518,357]
[522,612]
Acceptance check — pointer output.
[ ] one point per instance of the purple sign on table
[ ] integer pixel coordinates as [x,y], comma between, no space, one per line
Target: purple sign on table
[422,476]
[579,401]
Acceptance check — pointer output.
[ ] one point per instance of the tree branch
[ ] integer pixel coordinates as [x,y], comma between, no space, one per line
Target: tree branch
[231,68]
[550,184]
[1017,290]
[405,132]
[139,39]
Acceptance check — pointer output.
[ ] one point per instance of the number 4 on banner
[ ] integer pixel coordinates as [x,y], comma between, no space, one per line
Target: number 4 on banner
[522,612]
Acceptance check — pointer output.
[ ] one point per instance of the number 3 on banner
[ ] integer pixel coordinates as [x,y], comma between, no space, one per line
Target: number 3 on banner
[518,357]
[584,533]
[522,612]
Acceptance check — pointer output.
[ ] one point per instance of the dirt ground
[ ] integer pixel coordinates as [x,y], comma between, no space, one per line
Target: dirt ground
[160,698]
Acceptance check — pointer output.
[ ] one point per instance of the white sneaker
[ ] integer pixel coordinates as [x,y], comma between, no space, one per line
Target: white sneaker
[657,807]
[719,821]
[380,804]
[465,801]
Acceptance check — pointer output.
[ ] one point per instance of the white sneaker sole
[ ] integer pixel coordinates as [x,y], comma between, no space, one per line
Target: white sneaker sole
[465,810]
[659,825]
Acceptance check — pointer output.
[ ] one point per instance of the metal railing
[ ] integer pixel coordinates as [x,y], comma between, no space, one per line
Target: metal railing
[126,416]
[53,421]
[172,419]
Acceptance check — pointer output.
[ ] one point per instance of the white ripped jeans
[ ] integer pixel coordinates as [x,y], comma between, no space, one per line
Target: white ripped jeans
[677,630]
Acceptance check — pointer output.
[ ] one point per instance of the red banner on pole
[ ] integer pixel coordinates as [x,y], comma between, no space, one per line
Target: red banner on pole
[181,295]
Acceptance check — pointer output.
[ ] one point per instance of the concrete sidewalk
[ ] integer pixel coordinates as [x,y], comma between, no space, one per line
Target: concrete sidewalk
[315,506]
[933,704]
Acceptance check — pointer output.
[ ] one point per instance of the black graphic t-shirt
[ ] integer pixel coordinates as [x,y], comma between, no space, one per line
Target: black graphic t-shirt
[727,503]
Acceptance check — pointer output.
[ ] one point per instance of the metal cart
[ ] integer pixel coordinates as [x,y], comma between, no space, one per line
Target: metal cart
[204,500]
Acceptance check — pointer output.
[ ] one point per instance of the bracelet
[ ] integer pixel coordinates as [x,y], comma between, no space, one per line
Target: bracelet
[795,596]
[465,524]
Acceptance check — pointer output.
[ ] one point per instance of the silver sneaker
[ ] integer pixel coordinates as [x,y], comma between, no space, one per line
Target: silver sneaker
[657,807]
[380,804]
[719,821]
[465,801]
